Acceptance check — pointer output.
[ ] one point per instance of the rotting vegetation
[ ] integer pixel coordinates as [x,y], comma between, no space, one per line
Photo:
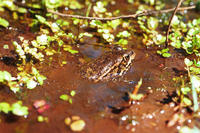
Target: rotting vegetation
[57,33]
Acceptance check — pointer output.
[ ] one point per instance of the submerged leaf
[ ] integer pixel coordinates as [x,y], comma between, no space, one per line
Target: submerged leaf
[4,22]
[5,107]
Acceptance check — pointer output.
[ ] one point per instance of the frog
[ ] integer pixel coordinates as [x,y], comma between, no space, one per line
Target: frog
[109,66]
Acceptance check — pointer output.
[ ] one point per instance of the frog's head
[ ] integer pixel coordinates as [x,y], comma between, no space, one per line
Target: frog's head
[126,61]
[129,56]
[125,56]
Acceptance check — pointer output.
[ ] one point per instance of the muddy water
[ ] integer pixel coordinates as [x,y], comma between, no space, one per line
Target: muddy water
[98,104]
[94,102]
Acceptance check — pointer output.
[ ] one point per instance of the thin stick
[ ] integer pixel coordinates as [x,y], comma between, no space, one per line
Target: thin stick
[170,22]
[144,13]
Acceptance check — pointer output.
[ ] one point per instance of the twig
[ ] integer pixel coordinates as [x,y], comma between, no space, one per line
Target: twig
[170,22]
[132,16]
[144,13]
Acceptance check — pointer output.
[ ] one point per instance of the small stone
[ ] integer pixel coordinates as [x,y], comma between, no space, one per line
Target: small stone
[39,103]
[67,121]
[75,118]
[77,126]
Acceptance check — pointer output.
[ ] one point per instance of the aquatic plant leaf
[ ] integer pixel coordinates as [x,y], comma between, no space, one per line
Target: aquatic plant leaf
[114,23]
[99,8]
[131,1]
[69,49]
[5,107]
[18,109]
[152,23]
[73,4]
[40,79]
[164,52]
[72,93]
[185,90]
[136,97]
[4,22]
[42,39]
[31,84]
[175,21]
[122,42]
[5,76]
[51,4]
[186,129]
[187,101]
[188,62]
[123,34]
[64,97]
[14,86]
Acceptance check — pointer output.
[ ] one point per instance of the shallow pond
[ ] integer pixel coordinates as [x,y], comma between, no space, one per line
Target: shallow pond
[102,105]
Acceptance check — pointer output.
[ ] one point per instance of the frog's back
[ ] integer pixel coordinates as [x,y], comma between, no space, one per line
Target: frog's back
[97,67]
[103,67]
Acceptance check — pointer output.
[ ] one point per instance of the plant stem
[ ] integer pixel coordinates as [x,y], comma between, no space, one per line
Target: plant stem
[170,22]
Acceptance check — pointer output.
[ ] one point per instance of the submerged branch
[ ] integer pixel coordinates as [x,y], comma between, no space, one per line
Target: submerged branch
[132,16]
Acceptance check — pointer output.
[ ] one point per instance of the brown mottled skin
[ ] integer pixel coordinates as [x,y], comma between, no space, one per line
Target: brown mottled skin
[109,66]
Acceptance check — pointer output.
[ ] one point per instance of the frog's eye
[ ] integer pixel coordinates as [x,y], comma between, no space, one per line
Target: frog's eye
[126,57]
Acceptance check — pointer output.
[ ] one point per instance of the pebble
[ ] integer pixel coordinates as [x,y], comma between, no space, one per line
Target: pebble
[67,121]
[77,126]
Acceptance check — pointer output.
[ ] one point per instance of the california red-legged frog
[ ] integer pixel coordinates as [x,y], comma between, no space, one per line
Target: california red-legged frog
[110,65]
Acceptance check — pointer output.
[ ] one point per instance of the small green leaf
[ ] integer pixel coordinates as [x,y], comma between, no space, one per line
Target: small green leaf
[185,90]
[122,42]
[18,109]
[4,22]
[188,62]
[40,118]
[136,97]
[152,23]
[131,1]
[166,55]
[31,84]
[187,101]
[5,107]
[72,93]
[70,101]
[34,71]
[40,79]
[41,19]
[123,34]
[186,129]
[5,46]
[114,23]
[14,86]
[22,10]
[175,20]
[99,8]
[75,5]
[7,76]
[69,49]
[164,52]
[64,97]
[42,39]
